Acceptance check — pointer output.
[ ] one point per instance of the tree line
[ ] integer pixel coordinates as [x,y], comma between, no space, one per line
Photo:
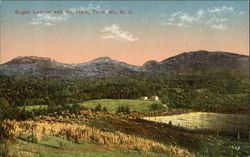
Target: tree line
[189,92]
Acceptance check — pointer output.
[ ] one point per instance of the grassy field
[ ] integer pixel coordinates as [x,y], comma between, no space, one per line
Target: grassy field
[113,135]
[51,146]
[204,120]
[48,138]
[113,104]
[34,107]
[60,135]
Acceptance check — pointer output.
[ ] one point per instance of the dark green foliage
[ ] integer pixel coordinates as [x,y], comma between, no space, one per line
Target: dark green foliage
[123,109]
[98,108]
[7,111]
[177,92]
[127,110]
[104,109]
[41,111]
[158,107]
[75,108]
[25,114]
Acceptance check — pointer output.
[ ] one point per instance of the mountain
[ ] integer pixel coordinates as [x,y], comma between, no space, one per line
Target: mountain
[35,66]
[105,66]
[42,66]
[206,63]
[187,63]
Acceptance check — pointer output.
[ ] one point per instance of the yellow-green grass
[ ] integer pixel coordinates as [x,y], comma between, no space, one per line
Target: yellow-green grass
[57,147]
[112,104]
[33,107]
[206,120]
[78,139]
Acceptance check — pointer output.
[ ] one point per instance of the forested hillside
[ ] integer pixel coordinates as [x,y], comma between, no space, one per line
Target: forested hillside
[178,92]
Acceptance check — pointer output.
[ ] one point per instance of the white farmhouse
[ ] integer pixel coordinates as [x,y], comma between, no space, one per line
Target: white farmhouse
[144,98]
[155,98]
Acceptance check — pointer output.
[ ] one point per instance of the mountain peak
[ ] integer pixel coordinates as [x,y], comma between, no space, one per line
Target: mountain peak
[102,58]
[151,63]
[29,60]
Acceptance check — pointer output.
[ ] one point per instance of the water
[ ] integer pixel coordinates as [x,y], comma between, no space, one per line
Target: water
[206,120]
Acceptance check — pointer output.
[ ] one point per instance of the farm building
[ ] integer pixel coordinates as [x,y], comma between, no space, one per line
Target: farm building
[154,98]
[144,98]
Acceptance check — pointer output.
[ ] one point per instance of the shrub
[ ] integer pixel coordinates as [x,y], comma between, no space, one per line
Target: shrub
[75,108]
[127,110]
[105,109]
[7,111]
[25,114]
[123,109]
[158,107]
[98,108]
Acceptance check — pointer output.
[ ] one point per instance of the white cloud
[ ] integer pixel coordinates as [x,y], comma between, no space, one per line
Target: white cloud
[219,26]
[47,19]
[52,19]
[114,32]
[200,13]
[90,7]
[215,18]
[241,13]
[49,24]
[221,9]
[179,19]
[186,18]
[36,23]
[183,19]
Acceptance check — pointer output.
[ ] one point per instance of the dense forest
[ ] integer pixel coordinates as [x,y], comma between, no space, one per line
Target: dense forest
[189,92]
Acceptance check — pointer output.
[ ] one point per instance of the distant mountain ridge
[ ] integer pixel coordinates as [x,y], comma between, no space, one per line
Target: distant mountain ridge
[42,66]
[187,63]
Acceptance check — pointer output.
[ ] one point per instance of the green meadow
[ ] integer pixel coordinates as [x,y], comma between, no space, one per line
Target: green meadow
[112,104]
[135,105]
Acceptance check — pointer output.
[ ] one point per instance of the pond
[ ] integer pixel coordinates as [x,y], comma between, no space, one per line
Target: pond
[207,120]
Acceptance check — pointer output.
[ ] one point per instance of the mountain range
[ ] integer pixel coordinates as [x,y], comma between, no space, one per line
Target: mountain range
[187,63]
